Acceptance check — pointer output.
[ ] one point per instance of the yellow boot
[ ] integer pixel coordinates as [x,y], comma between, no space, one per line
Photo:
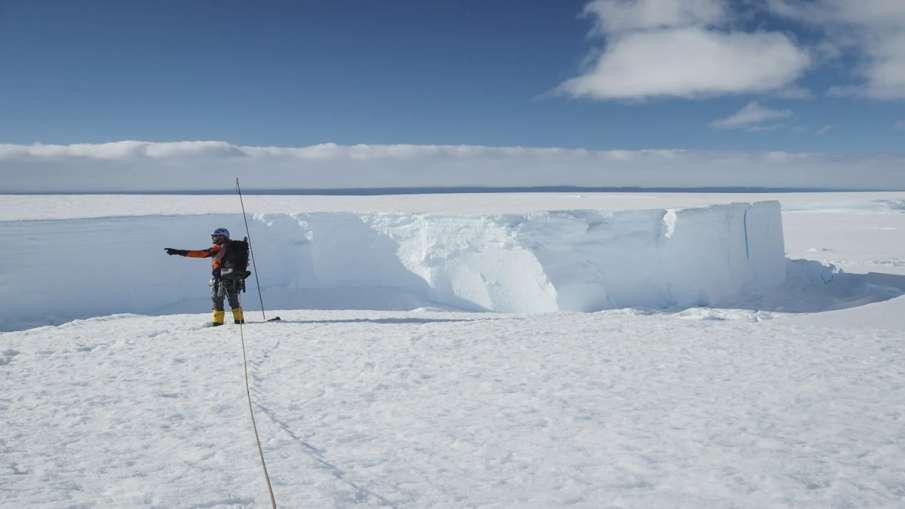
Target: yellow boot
[238,317]
[218,317]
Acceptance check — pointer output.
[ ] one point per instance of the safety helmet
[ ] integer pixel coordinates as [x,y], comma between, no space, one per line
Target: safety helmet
[220,232]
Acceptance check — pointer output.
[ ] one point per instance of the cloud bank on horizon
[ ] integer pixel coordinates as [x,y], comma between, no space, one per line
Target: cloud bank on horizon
[700,48]
[137,166]
[646,54]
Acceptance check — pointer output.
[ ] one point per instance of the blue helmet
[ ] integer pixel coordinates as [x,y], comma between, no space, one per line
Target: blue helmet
[220,232]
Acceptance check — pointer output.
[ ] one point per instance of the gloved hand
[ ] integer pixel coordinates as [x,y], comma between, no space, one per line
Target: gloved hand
[170,251]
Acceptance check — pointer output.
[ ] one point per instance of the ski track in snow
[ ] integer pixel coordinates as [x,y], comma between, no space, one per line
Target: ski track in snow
[423,409]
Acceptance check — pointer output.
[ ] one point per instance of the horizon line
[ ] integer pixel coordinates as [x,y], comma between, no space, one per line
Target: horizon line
[386,191]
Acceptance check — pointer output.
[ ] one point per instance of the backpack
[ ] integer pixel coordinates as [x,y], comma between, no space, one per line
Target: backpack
[235,261]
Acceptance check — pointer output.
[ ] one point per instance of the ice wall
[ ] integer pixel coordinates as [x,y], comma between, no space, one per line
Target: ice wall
[582,260]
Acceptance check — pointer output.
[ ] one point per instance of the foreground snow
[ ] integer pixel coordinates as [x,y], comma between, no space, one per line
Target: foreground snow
[423,409]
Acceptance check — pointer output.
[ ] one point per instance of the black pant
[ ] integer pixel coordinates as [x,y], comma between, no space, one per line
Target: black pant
[223,287]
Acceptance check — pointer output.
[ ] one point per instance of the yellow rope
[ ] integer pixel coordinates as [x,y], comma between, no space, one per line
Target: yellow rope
[254,425]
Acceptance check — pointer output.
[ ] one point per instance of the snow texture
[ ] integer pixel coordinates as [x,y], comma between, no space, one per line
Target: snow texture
[577,260]
[79,206]
[629,408]
[619,409]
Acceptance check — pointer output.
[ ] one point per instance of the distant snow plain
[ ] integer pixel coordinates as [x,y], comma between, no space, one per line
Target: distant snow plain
[701,407]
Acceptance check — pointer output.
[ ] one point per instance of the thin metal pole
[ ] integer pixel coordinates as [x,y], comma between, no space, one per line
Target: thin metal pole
[250,250]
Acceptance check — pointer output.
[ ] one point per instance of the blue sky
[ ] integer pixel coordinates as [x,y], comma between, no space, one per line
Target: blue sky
[571,74]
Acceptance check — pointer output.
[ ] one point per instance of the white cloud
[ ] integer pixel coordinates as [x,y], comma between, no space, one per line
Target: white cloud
[900,125]
[119,151]
[613,17]
[886,72]
[202,165]
[825,129]
[752,115]
[694,48]
[874,29]
[657,48]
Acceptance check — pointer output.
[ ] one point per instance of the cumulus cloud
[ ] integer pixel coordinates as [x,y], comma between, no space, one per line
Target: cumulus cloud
[613,17]
[873,29]
[682,48]
[751,115]
[694,48]
[203,165]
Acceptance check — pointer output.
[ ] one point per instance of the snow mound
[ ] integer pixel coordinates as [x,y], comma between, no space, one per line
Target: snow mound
[577,260]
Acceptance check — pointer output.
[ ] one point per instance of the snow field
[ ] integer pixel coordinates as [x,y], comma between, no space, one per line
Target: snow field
[426,409]
[79,206]
[581,260]
[623,408]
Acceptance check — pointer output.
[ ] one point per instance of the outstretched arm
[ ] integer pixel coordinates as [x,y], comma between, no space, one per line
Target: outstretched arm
[192,253]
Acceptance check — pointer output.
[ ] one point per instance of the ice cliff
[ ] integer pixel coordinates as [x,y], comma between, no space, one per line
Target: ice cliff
[580,260]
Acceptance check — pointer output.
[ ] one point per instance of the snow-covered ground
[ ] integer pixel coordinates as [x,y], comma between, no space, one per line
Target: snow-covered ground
[422,409]
[702,407]
[68,206]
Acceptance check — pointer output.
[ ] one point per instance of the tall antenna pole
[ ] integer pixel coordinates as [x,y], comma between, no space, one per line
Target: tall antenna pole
[250,250]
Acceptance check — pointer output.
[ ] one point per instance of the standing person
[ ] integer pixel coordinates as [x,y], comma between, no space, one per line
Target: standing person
[227,279]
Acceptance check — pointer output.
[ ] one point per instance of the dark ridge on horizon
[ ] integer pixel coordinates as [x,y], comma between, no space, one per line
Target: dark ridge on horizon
[381,191]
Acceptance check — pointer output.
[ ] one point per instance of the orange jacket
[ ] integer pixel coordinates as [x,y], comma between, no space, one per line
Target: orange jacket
[216,252]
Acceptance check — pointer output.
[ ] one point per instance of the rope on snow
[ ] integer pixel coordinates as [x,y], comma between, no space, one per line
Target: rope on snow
[254,424]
